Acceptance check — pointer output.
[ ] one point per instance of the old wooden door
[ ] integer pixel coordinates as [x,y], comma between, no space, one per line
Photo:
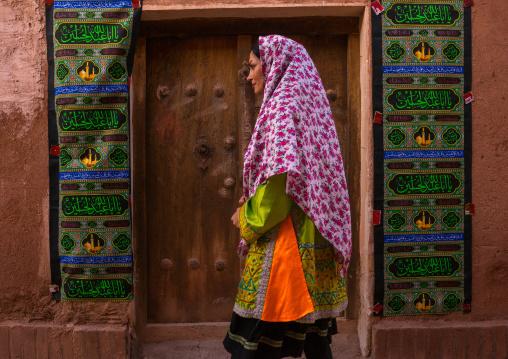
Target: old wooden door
[197,111]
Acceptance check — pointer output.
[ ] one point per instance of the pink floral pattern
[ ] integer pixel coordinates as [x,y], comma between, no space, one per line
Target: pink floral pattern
[295,133]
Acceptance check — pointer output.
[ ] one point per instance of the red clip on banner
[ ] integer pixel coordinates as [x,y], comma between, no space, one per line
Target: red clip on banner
[377,7]
[55,150]
[376,218]
[378,117]
[377,308]
[468,3]
[468,98]
[469,209]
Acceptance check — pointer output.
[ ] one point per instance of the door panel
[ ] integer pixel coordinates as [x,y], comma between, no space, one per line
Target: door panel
[193,165]
[191,178]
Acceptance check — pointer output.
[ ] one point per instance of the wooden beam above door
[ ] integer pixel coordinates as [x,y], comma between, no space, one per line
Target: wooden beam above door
[157,12]
[309,26]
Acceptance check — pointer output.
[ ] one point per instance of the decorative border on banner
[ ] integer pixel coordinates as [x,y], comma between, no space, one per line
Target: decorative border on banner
[468,160]
[377,107]
[54,161]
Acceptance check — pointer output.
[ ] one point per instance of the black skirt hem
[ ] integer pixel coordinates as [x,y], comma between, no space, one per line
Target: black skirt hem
[250,338]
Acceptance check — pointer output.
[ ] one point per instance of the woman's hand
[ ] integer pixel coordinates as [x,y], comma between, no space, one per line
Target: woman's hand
[234,219]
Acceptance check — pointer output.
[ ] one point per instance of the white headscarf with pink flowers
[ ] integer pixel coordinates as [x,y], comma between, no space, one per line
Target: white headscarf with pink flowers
[295,133]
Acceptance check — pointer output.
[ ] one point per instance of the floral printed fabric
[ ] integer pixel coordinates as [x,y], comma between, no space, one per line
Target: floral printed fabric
[295,134]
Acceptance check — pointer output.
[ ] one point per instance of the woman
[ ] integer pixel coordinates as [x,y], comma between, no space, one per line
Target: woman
[295,223]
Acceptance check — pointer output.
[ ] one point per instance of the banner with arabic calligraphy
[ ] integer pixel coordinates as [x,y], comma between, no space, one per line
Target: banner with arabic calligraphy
[90,52]
[422,69]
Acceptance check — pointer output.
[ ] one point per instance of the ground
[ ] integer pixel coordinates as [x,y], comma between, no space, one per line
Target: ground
[345,345]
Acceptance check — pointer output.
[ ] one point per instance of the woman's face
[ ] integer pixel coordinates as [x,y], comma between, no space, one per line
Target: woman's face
[255,74]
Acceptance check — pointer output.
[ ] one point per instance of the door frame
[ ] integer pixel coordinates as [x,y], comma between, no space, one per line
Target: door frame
[160,21]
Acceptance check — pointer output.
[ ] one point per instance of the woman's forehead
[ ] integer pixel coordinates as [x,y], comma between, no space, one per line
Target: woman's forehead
[253,58]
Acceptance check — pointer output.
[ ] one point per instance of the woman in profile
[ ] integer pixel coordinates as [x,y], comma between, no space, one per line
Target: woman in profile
[295,222]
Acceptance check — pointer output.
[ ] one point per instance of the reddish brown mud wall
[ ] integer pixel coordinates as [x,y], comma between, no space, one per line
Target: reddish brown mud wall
[24,250]
[490,160]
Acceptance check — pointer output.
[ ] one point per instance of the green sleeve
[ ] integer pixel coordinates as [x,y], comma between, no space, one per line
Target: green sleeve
[268,207]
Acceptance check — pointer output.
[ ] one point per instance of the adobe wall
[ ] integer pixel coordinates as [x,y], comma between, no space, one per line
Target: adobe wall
[490,146]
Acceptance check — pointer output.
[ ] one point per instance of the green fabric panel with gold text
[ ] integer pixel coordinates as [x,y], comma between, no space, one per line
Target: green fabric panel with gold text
[421,53]
[93,44]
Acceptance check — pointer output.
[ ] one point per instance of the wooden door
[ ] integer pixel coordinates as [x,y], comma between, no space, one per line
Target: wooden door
[192,184]
[196,110]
